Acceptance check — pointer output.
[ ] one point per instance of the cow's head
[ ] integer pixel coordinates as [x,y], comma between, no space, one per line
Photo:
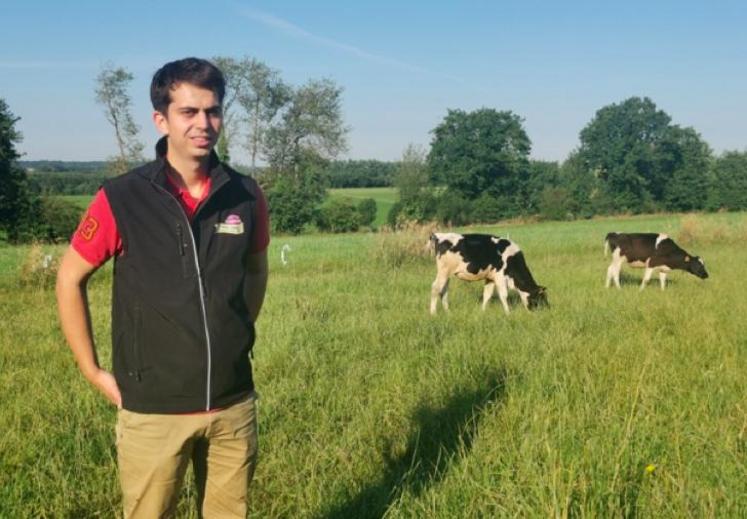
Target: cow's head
[538,298]
[696,266]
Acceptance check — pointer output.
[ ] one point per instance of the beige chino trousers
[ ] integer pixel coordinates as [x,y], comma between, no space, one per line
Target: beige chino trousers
[154,450]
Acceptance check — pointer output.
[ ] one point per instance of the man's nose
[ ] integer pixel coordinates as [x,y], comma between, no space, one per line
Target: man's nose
[202,119]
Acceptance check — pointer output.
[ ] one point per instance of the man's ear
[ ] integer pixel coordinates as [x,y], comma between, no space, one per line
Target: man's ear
[161,122]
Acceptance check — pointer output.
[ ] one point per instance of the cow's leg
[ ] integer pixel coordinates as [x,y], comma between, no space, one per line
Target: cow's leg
[646,277]
[663,280]
[613,271]
[487,293]
[502,286]
[439,289]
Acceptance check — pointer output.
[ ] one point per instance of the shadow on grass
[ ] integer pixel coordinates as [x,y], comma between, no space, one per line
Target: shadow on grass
[627,279]
[441,434]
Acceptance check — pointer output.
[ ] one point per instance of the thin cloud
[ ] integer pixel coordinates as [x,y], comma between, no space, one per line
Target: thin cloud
[44,65]
[290,29]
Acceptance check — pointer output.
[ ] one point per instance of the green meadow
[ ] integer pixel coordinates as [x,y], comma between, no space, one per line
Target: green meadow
[608,404]
[385,198]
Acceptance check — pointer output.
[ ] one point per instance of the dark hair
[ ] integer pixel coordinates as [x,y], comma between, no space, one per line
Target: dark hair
[195,71]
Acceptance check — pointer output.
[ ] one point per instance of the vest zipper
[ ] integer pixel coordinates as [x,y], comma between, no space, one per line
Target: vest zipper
[202,294]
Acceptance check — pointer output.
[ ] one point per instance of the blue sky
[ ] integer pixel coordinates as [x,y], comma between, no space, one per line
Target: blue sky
[402,64]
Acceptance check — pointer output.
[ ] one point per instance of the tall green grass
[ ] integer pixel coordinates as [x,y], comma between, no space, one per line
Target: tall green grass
[609,403]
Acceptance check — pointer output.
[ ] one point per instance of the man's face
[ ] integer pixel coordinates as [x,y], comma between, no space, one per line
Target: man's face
[192,122]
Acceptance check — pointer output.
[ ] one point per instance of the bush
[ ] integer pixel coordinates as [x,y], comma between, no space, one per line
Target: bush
[59,219]
[554,203]
[486,209]
[292,201]
[338,216]
[39,268]
[453,209]
[407,244]
[367,211]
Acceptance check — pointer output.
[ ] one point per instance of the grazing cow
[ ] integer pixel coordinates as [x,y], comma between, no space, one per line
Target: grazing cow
[473,257]
[650,251]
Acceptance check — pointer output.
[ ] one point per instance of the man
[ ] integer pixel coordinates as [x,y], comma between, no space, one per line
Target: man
[189,236]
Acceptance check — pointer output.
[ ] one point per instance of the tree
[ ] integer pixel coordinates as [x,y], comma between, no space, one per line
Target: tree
[484,151]
[263,96]
[292,199]
[15,200]
[729,186]
[641,159]
[234,75]
[691,157]
[298,146]
[111,94]
[412,180]
[311,124]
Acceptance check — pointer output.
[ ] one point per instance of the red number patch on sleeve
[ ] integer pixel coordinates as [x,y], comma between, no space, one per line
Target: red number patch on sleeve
[88,227]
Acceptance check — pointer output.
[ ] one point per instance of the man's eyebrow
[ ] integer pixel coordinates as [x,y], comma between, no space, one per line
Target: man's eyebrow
[208,109]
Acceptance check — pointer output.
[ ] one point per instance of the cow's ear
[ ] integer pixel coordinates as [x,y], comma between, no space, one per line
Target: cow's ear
[687,258]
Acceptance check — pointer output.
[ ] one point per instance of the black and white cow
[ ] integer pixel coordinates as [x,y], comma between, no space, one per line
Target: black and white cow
[474,257]
[654,252]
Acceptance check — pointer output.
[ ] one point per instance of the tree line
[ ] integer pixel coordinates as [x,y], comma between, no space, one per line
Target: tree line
[631,158]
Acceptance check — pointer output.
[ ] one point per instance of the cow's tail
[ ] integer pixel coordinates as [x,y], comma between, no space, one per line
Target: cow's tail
[608,243]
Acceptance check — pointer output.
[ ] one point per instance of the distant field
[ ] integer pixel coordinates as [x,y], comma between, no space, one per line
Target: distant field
[384,196]
[81,201]
[608,404]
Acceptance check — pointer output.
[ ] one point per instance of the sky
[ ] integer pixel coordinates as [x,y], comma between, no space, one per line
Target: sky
[402,64]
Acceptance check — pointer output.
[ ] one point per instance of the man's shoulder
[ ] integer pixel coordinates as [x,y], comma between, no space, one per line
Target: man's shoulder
[248,182]
[142,172]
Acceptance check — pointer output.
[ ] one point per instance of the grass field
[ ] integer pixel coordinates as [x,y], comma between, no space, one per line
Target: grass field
[608,404]
[384,197]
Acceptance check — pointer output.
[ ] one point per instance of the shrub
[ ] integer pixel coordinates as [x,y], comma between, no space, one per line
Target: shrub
[338,216]
[59,219]
[367,211]
[39,268]
[452,208]
[409,243]
[554,203]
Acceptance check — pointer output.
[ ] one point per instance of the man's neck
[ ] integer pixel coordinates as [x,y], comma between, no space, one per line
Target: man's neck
[189,174]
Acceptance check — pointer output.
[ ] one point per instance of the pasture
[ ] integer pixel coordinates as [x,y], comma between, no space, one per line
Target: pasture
[610,403]
[385,198]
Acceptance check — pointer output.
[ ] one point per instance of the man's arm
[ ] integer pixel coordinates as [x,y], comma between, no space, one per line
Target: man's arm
[72,303]
[256,283]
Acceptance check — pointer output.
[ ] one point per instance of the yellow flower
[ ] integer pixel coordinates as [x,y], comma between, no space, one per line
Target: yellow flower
[650,468]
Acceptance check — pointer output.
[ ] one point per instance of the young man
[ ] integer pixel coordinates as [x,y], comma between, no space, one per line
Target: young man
[189,236]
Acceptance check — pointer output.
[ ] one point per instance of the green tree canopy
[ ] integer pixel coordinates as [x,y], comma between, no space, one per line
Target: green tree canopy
[639,156]
[15,201]
[729,186]
[481,151]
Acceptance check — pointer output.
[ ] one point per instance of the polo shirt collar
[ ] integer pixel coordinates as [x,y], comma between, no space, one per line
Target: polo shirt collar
[217,172]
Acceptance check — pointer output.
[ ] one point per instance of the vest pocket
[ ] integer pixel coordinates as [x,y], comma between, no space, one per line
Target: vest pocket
[135,344]
[184,250]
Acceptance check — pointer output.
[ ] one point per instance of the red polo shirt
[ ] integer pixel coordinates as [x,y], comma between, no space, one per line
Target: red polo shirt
[97,238]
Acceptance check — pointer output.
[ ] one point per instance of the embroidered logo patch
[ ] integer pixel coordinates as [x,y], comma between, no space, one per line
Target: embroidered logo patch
[232,225]
[88,227]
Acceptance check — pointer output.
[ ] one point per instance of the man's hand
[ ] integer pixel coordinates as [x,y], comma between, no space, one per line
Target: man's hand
[104,382]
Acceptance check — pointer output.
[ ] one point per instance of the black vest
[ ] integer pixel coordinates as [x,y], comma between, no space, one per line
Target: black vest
[181,334]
